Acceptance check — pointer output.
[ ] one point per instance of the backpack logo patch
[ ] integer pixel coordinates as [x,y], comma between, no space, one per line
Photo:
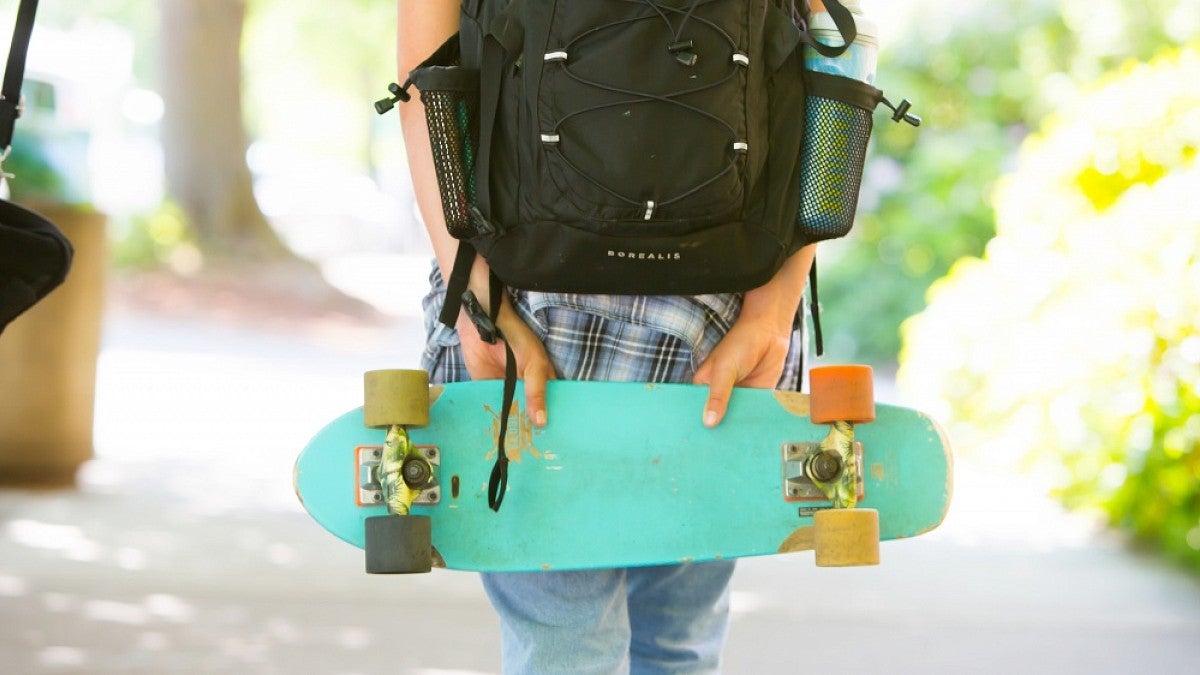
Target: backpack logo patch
[644,255]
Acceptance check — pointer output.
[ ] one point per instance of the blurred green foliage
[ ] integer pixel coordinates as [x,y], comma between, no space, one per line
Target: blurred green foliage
[1072,348]
[312,72]
[34,179]
[156,240]
[981,75]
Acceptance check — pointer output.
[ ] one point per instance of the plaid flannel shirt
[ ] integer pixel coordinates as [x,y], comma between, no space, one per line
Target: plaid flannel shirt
[629,338]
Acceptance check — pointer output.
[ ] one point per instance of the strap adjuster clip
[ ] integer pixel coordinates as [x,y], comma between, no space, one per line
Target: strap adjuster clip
[488,332]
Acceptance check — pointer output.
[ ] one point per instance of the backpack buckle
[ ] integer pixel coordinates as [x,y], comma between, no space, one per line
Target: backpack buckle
[482,322]
[483,226]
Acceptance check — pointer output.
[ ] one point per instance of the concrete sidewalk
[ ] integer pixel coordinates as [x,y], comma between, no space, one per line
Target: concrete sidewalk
[185,550]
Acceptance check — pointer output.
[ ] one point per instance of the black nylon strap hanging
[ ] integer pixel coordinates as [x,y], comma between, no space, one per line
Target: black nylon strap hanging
[490,75]
[456,284]
[485,323]
[14,72]
[498,483]
[815,307]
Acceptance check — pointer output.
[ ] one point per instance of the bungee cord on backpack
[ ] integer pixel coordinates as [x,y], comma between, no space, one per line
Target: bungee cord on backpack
[681,50]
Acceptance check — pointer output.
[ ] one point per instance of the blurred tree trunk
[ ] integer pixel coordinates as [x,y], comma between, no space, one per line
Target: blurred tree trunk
[204,135]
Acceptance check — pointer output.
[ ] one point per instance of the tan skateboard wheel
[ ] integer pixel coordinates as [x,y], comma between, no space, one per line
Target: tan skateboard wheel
[395,397]
[842,394]
[846,537]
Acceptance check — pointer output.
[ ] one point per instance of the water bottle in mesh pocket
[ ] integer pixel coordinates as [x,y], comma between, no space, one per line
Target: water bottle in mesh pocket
[837,127]
[450,95]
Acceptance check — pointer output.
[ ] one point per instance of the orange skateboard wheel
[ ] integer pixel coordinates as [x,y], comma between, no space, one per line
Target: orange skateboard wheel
[842,394]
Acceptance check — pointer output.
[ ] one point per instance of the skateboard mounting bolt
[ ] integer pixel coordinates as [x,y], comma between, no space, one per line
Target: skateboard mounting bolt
[825,466]
[416,473]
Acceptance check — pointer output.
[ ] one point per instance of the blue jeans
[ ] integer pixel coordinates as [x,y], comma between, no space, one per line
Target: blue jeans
[667,619]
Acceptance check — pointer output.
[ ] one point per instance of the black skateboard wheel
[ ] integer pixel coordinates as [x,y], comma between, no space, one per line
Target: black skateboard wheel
[398,545]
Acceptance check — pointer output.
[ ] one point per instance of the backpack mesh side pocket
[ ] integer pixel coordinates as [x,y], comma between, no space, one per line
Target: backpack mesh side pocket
[837,128]
[450,95]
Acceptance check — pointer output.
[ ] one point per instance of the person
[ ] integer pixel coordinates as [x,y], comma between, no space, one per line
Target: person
[656,619]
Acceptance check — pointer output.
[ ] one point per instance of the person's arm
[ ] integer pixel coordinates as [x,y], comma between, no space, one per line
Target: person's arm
[752,354]
[422,26]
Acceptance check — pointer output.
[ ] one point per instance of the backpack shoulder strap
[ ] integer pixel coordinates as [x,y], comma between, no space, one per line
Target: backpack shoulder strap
[499,36]
[14,72]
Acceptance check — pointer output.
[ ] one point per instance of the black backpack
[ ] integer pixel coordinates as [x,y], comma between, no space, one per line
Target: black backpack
[34,254]
[629,146]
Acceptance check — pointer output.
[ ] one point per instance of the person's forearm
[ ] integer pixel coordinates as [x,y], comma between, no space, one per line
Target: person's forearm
[421,28]
[777,300]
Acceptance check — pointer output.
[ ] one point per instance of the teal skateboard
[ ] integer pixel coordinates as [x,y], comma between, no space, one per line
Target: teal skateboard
[624,474]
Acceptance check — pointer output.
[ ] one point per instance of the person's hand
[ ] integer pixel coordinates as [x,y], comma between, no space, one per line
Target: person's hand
[754,351]
[752,354]
[487,361]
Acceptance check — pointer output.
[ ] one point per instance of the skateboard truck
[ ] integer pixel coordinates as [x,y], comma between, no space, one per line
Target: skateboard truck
[843,535]
[403,473]
[811,469]
[419,475]
[398,473]
[834,468]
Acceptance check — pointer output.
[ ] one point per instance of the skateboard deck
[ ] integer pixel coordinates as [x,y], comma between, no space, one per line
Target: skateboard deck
[625,474]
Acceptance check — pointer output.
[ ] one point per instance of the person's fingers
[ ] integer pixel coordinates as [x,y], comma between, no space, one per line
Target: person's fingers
[763,377]
[720,380]
[533,367]
[535,376]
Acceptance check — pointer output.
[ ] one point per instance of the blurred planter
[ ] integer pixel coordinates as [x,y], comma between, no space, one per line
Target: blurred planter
[48,364]
[48,355]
